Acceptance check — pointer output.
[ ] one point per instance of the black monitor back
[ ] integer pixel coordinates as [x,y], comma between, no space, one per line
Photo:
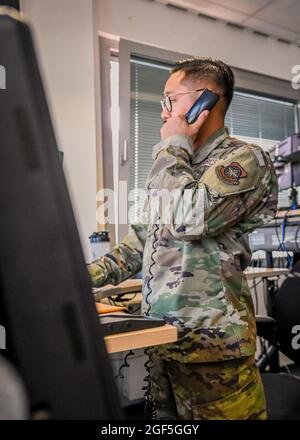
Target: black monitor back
[47,307]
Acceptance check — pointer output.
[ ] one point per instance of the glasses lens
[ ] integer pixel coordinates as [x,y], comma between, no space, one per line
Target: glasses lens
[166,103]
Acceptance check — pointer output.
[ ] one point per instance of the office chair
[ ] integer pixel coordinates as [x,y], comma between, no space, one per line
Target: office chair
[281,330]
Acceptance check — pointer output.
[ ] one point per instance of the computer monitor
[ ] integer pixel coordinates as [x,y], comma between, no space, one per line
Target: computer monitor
[54,338]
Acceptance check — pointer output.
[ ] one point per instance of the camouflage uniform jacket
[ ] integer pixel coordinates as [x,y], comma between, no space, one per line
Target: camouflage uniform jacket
[193,274]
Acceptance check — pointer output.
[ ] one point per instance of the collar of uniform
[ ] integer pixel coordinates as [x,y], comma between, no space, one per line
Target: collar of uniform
[176,140]
[211,143]
[156,149]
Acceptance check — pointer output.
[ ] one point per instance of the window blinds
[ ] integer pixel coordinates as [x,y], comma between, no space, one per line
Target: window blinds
[260,120]
[147,86]
[254,118]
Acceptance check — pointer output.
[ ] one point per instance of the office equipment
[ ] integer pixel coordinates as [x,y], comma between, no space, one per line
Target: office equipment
[287,162]
[46,303]
[271,238]
[287,173]
[120,323]
[289,148]
[280,234]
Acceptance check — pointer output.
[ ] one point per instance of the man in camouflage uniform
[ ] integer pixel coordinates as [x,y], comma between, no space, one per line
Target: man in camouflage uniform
[193,270]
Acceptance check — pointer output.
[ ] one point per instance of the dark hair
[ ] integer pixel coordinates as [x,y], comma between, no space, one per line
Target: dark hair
[207,68]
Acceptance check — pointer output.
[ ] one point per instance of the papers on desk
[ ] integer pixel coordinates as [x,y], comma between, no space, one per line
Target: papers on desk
[106,308]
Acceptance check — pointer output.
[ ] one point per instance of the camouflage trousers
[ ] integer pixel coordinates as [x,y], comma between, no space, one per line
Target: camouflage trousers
[229,390]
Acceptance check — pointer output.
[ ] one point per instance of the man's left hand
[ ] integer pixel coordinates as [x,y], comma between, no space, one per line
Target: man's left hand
[178,125]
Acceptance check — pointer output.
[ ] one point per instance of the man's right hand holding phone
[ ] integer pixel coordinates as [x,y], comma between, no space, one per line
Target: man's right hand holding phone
[178,125]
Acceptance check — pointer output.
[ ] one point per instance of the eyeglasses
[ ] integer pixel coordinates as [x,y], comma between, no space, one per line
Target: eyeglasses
[166,103]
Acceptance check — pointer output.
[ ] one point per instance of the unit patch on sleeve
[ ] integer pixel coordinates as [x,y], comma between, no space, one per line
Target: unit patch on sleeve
[231,173]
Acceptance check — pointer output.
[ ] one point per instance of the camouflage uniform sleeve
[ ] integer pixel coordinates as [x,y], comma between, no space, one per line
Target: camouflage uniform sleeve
[124,260]
[241,184]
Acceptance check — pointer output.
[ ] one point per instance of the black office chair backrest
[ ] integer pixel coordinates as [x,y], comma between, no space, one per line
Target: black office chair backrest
[286,311]
[282,396]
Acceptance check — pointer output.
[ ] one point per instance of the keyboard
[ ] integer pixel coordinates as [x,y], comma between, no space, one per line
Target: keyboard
[121,323]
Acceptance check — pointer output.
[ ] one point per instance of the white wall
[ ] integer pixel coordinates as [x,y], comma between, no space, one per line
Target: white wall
[155,24]
[66,37]
[64,31]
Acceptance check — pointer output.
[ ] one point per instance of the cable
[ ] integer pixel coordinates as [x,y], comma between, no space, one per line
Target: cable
[296,237]
[255,295]
[267,297]
[120,298]
[150,404]
[254,287]
[111,301]
[154,246]
[289,258]
[263,348]
[123,297]
[124,365]
[281,243]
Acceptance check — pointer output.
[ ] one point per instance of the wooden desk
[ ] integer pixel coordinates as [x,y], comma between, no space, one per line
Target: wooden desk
[141,338]
[288,213]
[264,272]
[267,274]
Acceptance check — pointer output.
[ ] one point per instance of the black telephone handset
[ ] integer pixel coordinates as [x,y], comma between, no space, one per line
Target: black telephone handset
[206,101]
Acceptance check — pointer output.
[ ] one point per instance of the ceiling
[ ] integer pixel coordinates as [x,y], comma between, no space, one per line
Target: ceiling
[279,19]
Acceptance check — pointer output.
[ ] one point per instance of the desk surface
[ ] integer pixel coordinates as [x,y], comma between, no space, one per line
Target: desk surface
[264,272]
[288,213]
[141,338]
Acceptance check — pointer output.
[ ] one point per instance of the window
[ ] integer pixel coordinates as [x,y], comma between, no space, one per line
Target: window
[260,120]
[147,84]
[256,119]
[263,111]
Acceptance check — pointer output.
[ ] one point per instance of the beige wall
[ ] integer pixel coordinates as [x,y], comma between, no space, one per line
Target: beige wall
[64,31]
[69,58]
[155,24]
